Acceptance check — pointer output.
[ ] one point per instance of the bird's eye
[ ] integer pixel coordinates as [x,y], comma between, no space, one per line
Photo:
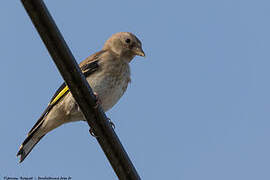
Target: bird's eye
[127,40]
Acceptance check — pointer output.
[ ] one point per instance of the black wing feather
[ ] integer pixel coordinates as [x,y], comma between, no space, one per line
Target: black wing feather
[90,68]
[87,69]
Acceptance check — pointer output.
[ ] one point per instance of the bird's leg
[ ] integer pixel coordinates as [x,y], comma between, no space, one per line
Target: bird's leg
[98,102]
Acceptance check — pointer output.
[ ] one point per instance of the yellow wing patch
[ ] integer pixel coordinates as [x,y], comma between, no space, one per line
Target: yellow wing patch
[59,95]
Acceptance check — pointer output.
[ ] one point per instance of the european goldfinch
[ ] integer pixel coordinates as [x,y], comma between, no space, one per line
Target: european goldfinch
[108,74]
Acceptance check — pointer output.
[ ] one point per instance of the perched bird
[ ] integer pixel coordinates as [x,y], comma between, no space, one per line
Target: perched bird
[107,72]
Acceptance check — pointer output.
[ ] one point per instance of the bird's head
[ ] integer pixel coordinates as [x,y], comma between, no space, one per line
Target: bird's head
[124,44]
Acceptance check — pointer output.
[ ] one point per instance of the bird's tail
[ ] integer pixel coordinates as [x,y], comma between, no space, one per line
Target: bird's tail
[27,146]
[29,143]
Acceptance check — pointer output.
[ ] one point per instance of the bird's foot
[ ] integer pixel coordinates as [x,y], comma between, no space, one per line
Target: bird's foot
[98,102]
[92,132]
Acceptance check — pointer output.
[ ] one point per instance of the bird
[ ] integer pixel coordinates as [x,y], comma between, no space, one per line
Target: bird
[108,74]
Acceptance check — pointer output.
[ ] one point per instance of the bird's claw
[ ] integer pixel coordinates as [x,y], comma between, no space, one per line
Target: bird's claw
[92,132]
[111,123]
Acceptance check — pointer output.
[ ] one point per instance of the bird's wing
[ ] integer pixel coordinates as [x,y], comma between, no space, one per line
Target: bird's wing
[88,67]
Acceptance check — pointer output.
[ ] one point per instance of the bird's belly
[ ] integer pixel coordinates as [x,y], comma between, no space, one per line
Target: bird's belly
[109,89]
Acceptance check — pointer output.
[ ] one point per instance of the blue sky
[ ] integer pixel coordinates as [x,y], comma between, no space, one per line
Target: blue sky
[198,106]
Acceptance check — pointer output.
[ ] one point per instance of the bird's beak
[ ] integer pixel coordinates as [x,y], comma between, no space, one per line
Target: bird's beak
[139,52]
